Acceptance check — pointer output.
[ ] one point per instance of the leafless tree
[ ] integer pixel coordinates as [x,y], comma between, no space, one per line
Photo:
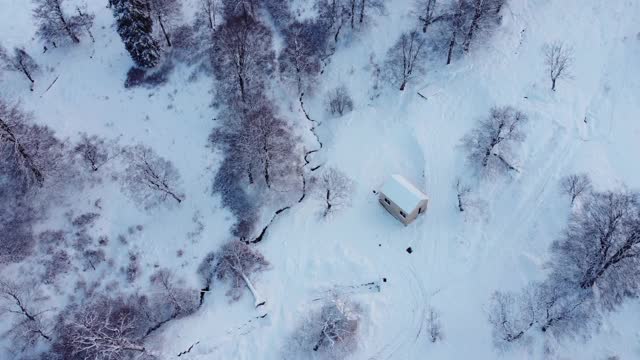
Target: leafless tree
[406,59]
[243,59]
[334,15]
[434,326]
[166,12]
[511,316]
[484,17]
[426,10]
[33,150]
[339,102]
[209,12]
[95,151]
[491,145]
[261,144]
[237,262]
[563,310]
[240,7]
[361,10]
[177,299]
[104,329]
[301,58]
[600,249]
[334,188]
[329,333]
[20,61]
[28,322]
[149,178]
[456,25]
[558,59]
[56,26]
[576,185]
[462,193]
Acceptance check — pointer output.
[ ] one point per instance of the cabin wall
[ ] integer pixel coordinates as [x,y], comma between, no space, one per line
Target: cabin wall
[394,209]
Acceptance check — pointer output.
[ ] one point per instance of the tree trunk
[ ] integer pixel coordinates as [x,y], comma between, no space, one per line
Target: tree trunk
[164,32]
[362,7]
[553,84]
[328,208]
[73,36]
[452,43]
[258,301]
[460,207]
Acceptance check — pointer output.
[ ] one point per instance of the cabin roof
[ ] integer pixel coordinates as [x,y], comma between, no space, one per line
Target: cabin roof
[403,193]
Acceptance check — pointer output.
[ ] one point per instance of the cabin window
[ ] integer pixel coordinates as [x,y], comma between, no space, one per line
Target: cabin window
[387,201]
[403,214]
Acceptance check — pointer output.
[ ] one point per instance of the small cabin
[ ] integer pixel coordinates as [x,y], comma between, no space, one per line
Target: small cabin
[402,199]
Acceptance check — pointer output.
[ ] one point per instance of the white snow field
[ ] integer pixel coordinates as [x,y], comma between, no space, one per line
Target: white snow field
[500,243]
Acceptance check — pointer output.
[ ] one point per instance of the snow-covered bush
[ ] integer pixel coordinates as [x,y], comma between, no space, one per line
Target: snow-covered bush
[339,101]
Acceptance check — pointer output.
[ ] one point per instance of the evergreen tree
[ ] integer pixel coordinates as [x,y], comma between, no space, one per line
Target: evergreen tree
[135,26]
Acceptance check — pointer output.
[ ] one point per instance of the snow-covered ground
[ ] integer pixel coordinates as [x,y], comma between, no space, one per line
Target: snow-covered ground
[458,259]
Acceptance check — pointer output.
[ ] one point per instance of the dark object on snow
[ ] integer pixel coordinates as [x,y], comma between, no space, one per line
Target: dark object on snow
[384,279]
[409,250]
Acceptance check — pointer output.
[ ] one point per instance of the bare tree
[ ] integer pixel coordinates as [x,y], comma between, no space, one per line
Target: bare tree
[563,310]
[301,58]
[363,9]
[335,190]
[334,14]
[406,59]
[434,326]
[177,299]
[558,59]
[576,185]
[426,10]
[339,102]
[240,7]
[56,26]
[104,329]
[600,249]
[209,12]
[243,58]
[33,150]
[237,262]
[484,17]
[491,144]
[462,193]
[329,333]
[261,144]
[456,25]
[29,324]
[166,12]
[94,151]
[149,178]
[512,316]
[20,61]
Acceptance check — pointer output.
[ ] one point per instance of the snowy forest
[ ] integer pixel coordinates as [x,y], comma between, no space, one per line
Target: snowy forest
[200,179]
